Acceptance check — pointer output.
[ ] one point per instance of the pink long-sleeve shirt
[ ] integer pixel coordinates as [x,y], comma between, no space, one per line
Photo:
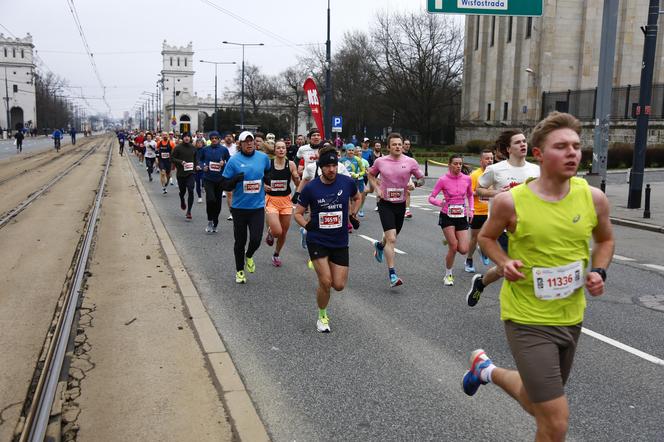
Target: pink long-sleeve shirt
[457,189]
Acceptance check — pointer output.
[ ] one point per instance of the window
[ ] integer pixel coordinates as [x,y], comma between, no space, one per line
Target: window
[22,53]
[14,52]
[178,61]
[15,88]
[477,33]
[493,30]
[509,28]
[185,62]
[505,106]
[171,61]
[5,52]
[529,27]
[488,112]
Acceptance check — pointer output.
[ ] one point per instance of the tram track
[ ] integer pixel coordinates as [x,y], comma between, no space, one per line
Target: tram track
[50,365]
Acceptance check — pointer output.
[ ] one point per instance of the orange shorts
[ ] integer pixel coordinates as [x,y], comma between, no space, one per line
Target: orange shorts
[278,204]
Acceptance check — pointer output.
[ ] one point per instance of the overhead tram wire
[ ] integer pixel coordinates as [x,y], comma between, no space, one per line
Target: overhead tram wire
[79,27]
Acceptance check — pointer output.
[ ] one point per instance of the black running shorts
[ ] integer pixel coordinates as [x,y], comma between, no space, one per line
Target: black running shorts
[338,256]
[391,215]
[458,223]
[478,221]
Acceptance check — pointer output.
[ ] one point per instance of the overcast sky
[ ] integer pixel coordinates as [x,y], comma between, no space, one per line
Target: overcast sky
[126,37]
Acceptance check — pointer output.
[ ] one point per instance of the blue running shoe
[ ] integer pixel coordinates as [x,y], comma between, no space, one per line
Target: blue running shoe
[378,253]
[485,259]
[472,379]
[395,281]
[303,238]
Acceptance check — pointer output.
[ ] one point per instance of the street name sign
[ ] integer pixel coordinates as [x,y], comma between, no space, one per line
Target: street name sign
[530,8]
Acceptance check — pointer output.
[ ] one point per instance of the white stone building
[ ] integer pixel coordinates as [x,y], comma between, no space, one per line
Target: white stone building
[17,84]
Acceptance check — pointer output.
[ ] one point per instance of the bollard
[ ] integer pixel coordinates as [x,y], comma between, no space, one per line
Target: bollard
[426,167]
[603,186]
[646,210]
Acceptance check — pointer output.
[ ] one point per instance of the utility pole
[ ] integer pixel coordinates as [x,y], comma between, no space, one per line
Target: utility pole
[7,104]
[242,92]
[217,63]
[643,110]
[327,122]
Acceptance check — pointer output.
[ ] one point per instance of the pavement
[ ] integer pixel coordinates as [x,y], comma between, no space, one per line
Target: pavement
[391,368]
[33,145]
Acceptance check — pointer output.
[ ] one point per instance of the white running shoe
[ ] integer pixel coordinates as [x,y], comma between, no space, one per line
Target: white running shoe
[323,324]
[200,200]
[448,280]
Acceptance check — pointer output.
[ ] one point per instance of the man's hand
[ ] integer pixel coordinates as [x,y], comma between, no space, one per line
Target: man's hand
[411,186]
[594,284]
[510,270]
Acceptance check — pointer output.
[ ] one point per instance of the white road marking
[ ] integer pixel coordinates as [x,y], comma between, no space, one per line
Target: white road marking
[371,195]
[623,258]
[415,205]
[425,208]
[371,240]
[621,346]
[654,266]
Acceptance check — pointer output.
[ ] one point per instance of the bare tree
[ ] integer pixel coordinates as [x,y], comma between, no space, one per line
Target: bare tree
[258,88]
[52,109]
[291,93]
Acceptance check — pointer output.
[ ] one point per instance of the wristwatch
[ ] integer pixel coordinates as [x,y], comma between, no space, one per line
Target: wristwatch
[601,271]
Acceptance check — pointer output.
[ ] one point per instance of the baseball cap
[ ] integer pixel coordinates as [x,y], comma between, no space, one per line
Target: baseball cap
[243,136]
[365,140]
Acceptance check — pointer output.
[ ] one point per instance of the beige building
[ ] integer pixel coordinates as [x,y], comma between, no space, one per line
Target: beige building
[509,62]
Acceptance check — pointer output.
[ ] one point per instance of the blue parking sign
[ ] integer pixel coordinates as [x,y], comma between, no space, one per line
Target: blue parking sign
[336,123]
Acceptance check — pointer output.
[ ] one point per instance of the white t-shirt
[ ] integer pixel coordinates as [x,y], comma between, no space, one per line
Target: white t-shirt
[504,176]
[309,154]
[150,149]
[310,169]
[232,149]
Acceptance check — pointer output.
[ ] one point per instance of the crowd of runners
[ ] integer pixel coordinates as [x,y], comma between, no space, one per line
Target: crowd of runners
[534,222]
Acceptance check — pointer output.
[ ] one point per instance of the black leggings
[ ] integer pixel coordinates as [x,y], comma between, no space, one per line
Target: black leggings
[186,183]
[199,179]
[254,219]
[212,200]
[149,165]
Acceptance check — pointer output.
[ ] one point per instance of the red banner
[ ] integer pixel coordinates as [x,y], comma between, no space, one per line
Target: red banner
[314,103]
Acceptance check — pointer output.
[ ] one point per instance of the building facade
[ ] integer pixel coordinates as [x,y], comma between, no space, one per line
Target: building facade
[17,84]
[509,62]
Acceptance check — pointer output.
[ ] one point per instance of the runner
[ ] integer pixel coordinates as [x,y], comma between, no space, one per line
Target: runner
[164,151]
[139,147]
[543,316]
[376,152]
[457,188]
[172,141]
[278,206]
[366,152]
[357,171]
[309,152]
[229,143]
[244,175]
[481,211]
[121,139]
[150,147]
[328,198]
[198,176]
[395,171]
[184,158]
[19,141]
[57,138]
[497,178]
[212,161]
[408,153]
[365,180]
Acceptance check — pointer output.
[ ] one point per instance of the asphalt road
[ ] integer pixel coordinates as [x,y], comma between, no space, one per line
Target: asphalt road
[33,145]
[392,366]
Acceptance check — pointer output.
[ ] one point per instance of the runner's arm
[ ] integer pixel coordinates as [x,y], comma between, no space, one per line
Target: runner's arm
[484,182]
[503,216]
[375,184]
[604,244]
[434,193]
[299,215]
[294,175]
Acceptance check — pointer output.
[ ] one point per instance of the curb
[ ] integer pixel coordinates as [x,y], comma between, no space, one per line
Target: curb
[244,417]
[637,225]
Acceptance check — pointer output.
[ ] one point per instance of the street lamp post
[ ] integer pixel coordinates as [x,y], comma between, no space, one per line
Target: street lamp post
[242,92]
[216,63]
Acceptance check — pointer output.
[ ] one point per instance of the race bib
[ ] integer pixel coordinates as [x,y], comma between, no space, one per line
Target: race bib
[330,220]
[278,185]
[165,155]
[214,167]
[187,166]
[456,210]
[394,194]
[557,282]
[313,158]
[253,186]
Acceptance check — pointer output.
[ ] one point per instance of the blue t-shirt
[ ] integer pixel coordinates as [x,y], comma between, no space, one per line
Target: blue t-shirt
[215,155]
[366,154]
[249,193]
[329,210]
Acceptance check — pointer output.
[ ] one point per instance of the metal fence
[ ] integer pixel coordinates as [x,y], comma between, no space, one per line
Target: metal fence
[624,100]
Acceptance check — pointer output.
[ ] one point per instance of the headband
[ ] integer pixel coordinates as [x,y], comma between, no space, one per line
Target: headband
[327,159]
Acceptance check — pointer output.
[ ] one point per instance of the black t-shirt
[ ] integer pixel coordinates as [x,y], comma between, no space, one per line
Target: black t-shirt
[280,180]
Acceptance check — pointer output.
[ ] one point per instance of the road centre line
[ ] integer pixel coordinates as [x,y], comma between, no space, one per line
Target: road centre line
[655,267]
[371,240]
[623,258]
[621,346]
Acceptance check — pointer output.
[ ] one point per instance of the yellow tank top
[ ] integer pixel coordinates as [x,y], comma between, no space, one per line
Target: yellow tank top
[481,206]
[548,235]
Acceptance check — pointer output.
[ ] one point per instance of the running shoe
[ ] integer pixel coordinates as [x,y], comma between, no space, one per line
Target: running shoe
[376,209]
[448,280]
[476,289]
[310,264]
[183,205]
[230,218]
[164,191]
[210,227]
[269,239]
[214,229]
[395,281]
[323,324]
[378,253]
[472,380]
[485,259]
[276,261]
[445,241]
[240,277]
[408,214]
[360,213]
[150,177]
[251,265]
[172,181]
[303,237]
[469,268]
[188,216]
[200,200]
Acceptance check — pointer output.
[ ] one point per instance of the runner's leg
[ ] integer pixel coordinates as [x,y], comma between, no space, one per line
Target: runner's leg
[240,224]
[284,221]
[255,222]
[190,189]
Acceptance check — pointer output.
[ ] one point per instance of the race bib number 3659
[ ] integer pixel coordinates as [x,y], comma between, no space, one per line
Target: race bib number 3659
[330,220]
[552,283]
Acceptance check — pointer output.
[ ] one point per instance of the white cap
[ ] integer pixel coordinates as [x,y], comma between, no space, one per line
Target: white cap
[243,136]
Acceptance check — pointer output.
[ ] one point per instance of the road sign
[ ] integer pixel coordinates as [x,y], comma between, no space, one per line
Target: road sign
[486,7]
[336,123]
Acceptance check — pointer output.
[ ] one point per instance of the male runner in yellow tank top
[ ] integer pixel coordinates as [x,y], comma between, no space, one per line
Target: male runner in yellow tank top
[549,221]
